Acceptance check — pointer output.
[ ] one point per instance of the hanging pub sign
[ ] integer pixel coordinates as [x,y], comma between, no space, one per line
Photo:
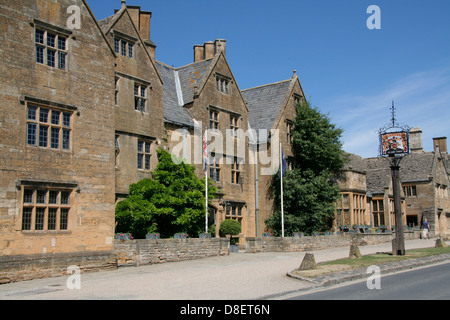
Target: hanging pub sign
[395,143]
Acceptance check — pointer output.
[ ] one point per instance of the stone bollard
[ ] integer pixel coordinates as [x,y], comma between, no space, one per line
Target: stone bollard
[308,263]
[354,252]
[440,243]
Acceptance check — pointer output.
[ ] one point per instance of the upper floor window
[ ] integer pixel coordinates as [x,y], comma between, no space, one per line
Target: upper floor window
[117,151]
[297,99]
[51,49]
[213,119]
[235,171]
[124,47]
[222,85]
[410,191]
[289,132]
[49,128]
[234,125]
[214,167]
[116,90]
[140,97]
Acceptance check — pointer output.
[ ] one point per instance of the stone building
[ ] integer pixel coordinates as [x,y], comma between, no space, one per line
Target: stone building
[271,115]
[367,196]
[57,127]
[138,96]
[84,108]
[204,97]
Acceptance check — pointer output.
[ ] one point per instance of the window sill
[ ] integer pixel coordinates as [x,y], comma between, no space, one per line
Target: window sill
[45,232]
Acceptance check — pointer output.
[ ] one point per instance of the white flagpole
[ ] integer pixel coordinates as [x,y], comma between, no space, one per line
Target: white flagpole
[282,205]
[206,180]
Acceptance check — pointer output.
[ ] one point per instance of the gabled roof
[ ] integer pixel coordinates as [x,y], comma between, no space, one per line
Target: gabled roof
[173,95]
[97,23]
[416,167]
[108,23]
[265,104]
[192,76]
[181,85]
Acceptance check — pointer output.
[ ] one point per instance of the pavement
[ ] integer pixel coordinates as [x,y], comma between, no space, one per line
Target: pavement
[239,276]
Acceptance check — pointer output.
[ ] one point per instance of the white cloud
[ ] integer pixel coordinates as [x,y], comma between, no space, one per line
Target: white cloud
[422,100]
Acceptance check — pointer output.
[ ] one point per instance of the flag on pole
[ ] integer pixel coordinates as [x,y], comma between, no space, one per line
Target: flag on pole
[205,154]
[283,164]
[205,171]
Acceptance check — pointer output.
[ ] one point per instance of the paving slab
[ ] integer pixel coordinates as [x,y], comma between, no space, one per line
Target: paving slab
[239,276]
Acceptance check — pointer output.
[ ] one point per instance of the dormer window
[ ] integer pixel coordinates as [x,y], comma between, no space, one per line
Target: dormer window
[297,99]
[124,47]
[223,84]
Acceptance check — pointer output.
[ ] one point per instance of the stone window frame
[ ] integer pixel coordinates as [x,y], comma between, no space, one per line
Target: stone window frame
[116,90]
[342,208]
[410,191]
[215,166]
[289,131]
[135,80]
[45,206]
[223,84]
[297,99]
[51,51]
[214,119]
[144,155]
[235,210]
[234,125]
[359,207]
[236,171]
[378,212]
[124,45]
[140,97]
[49,124]
[117,150]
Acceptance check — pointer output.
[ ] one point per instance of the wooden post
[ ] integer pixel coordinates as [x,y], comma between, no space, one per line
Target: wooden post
[398,246]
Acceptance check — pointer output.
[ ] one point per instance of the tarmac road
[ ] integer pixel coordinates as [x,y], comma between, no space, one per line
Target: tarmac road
[239,276]
[427,283]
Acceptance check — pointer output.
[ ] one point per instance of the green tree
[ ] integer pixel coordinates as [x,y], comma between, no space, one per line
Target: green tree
[172,202]
[310,189]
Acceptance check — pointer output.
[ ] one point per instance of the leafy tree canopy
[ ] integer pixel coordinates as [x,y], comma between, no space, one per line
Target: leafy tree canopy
[310,189]
[172,202]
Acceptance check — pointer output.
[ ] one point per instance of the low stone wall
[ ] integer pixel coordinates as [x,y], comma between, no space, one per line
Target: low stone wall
[309,243]
[37,266]
[141,252]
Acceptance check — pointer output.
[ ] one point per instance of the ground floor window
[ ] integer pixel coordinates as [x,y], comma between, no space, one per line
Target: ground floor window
[45,209]
[378,213]
[234,211]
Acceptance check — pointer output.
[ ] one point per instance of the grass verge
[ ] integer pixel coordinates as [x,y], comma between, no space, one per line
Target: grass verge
[339,265]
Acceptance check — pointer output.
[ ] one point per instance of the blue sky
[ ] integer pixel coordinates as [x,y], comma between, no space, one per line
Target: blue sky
[346,70]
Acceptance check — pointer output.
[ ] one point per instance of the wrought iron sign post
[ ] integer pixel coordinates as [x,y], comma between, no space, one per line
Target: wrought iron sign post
[394,146]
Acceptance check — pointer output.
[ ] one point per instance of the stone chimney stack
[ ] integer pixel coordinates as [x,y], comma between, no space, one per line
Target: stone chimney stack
[209,49]
[440,143]
[415,140]
[220,45]
[199,52]
[141,20]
